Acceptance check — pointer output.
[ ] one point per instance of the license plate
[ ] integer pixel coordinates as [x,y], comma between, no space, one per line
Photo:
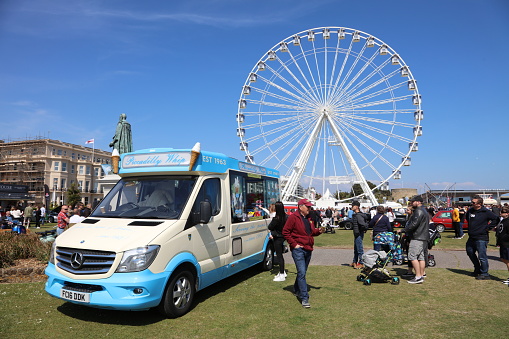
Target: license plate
[75,296]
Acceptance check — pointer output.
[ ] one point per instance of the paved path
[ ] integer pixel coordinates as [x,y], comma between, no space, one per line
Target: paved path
[456,259]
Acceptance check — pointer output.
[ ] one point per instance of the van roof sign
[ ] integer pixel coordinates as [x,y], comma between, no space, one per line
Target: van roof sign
[178,160]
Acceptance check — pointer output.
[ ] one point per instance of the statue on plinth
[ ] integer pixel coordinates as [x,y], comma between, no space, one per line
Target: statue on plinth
[122,140]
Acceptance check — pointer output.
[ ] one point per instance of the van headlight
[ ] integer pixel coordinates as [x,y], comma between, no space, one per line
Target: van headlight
[137,259]
[52,253]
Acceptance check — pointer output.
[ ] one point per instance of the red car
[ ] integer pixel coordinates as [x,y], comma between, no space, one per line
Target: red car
[443,221]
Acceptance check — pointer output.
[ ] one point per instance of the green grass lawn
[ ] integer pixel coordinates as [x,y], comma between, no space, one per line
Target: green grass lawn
[250,305]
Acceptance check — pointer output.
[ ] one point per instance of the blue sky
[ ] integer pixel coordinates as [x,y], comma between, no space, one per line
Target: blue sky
[68,69]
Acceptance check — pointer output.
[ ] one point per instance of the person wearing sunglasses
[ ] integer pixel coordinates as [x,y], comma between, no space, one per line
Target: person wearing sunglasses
[62,219]
[480,220]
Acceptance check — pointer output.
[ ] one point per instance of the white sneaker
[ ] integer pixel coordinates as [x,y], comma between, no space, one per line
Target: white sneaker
[284,274]
[279,277]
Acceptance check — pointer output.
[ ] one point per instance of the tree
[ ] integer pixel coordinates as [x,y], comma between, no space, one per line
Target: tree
[73,195]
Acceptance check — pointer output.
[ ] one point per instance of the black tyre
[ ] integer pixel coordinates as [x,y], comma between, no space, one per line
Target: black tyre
[348,225]
[367,282]
[179,294]
[431,263]
[440,228]
[268,258]
[398,261]
[395,281]
[360,277]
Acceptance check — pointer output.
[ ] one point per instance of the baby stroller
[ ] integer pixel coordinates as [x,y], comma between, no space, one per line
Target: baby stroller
[374,268]
[328,225]
[434,239]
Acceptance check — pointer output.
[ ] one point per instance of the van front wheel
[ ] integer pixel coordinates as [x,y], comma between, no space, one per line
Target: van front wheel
[268,259]
[179,294]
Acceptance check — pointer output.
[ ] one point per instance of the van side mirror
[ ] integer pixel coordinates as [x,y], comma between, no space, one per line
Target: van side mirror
[205,212]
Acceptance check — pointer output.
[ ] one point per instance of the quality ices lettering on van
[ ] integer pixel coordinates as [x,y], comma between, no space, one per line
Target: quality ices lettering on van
[157,159]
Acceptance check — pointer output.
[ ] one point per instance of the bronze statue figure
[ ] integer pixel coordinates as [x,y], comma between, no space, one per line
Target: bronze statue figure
[122,140]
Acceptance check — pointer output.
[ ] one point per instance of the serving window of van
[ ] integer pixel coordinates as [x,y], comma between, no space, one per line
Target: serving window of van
[248,192]
[161,197]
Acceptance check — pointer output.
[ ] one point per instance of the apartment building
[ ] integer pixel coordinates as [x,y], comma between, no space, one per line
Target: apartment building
[47,168]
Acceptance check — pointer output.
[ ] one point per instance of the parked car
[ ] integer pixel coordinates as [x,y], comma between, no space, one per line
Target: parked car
[53,214]
[399,219]
[443,220]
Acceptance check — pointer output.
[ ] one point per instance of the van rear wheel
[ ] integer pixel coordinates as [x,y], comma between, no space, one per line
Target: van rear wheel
[179,295]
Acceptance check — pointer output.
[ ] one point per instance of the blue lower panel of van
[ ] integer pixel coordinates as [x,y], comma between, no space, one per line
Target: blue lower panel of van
[115,292]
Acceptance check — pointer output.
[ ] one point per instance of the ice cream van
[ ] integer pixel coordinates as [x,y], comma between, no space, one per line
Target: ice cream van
[176,222]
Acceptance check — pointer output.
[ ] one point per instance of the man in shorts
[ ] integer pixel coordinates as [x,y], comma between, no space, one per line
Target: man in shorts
[417,230]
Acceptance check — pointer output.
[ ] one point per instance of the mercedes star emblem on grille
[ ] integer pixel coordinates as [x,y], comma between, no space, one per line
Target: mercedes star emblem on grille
[76,260]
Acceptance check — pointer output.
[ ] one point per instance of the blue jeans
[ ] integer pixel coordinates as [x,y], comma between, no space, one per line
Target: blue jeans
[461,233]
[301,257]
[480,260]
[358,249]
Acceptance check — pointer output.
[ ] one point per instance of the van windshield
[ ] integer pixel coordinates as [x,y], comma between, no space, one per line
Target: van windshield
[147,198]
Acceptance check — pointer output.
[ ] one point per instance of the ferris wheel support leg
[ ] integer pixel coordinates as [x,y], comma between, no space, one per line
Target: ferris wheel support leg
[300,166]
[353,164]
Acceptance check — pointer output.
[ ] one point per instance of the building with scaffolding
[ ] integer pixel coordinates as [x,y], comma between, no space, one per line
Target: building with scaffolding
[46,168]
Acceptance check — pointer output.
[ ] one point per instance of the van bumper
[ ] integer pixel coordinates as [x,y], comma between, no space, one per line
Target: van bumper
[115,292]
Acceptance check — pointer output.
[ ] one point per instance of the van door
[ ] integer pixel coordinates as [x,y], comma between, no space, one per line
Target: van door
[211,240]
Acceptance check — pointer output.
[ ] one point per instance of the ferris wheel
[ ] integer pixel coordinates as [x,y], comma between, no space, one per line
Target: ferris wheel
[327,107]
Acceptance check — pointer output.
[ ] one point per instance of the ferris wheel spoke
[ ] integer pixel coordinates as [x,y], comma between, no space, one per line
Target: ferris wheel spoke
[333,71]
[378,130]
[318,74]
[310,73]
[381,102]
[375,94]
[277,113]
[264,134]
[372,138]
[270,122]
[337,88]
[379,81]
[284,145]
[274,104]
[280,97]
[352,66]
[383,111]
[358,74]
[286,81]
[295,131]
[361,154]
[301,96]
[290,153]
[381,121]
[314,97]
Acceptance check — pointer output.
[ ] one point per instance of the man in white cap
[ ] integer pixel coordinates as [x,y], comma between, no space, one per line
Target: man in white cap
[299,231]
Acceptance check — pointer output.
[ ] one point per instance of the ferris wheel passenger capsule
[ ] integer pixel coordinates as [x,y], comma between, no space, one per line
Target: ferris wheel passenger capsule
[250,159]
[384,187]
[418,115]
[296,40]
[326,33]
[284,47]
[240,117]
[311,36]
[356,36]
[384,50]
[246,90]
[242,104]
[416,99]
[395,59]
[404,71]
[397,175]
[272,55]
[241,132]
[341,34]
[418,131]
[253,77]
[411,85]
[407,161]
[243,146]
[414,146]
[261,66]
[370,42]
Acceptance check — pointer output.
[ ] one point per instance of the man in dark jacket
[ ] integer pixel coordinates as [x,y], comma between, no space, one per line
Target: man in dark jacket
[299,231]
[360,225]
[480,219]
[417,230]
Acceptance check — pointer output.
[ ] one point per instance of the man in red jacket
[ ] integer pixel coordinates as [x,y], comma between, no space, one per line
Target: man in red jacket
[299,231]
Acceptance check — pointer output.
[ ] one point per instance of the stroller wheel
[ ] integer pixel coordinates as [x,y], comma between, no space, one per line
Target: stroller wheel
[431,263]
[367,282]
[395,281]
[398,261]
[360,277]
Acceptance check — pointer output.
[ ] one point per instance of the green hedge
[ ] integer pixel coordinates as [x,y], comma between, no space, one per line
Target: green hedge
[15,246]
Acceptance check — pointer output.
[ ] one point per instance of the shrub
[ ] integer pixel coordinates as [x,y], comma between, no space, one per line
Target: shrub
[15,246]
